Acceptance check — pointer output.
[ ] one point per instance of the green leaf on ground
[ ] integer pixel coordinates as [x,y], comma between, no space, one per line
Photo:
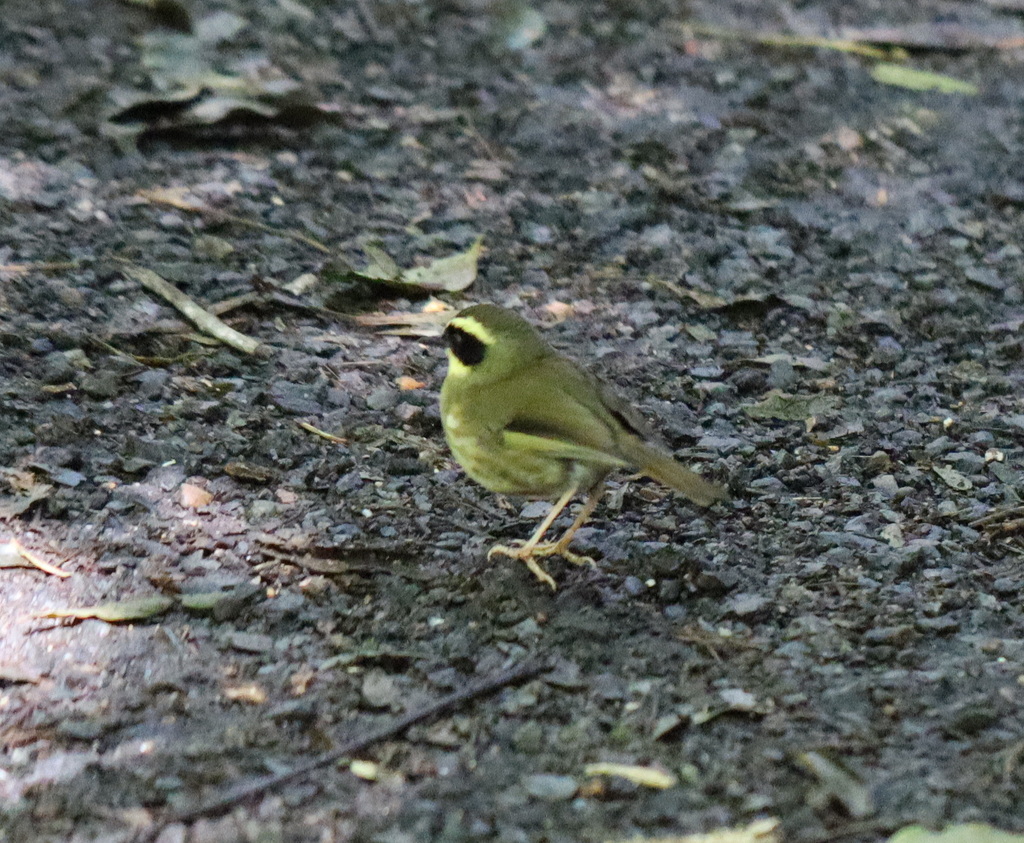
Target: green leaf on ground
[920,80]
[451,274]
[204,601]
[132,609]
[785,407]
[953,478]
[965,833]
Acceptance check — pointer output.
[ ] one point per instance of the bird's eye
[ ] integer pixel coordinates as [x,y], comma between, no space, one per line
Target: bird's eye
[469,350]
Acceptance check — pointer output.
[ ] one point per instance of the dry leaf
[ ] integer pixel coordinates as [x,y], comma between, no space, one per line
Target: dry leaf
[643,776]
[450,274]
[953,478]
[405,383]
[246,692]
[409,324]
[193,497]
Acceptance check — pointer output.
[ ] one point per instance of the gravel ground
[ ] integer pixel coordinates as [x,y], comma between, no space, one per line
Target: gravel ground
[809,280]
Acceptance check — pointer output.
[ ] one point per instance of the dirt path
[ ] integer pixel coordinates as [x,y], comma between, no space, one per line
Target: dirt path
[702,219]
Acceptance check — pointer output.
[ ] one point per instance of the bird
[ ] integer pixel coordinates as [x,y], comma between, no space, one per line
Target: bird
[522,419]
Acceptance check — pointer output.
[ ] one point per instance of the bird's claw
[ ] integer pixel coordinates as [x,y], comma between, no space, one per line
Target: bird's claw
[525,553]
[558,549]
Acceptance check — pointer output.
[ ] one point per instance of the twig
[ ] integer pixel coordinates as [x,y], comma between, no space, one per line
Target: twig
[781,39]
[323,434]
[202,319]
[16,547]
[1001,521]
[227,305]
[429,712]
[53,266]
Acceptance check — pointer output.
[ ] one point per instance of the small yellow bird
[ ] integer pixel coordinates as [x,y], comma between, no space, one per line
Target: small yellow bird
[523,420]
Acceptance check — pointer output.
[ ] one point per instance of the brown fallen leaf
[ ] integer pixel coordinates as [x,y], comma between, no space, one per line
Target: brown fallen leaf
[193,497]
[408,324]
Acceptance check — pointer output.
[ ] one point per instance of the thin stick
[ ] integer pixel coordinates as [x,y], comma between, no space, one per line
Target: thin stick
[202,319]
[53,266]
[429,712]
[323,434]
[38,562]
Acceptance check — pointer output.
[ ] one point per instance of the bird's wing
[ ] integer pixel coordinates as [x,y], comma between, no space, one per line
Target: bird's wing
[560,448]
[565,418]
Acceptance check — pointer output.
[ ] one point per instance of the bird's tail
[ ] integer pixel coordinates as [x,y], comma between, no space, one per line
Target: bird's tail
[665,469]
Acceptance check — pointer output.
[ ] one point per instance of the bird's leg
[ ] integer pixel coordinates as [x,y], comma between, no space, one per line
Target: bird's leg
[526,551]
[561,547]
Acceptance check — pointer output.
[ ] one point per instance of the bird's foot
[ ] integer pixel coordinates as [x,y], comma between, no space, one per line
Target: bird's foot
[524,553]
[527,554]
[560,549]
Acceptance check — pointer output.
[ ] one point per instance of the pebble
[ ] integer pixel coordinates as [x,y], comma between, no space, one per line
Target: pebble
[748,605]
[295,398]
[551,787]
[382,398]
[942,625]
[380,690]
[634,586]
[886,484]
[250,642]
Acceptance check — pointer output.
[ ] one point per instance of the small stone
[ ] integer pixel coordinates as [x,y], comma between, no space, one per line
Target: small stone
[382,398]
[942,625]
[781,374]
[1007,586]
[886,484]
[526,628]
[215,248]
[551,787]
[535,509]
[894,635]
[380,690]
[738,700]
[982,439]
[297,398]
[81,730]
[748,605]
[634,586]
[529,738]
[970,720]
[102,386]
[250,642]
[58,368]
[966,461]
